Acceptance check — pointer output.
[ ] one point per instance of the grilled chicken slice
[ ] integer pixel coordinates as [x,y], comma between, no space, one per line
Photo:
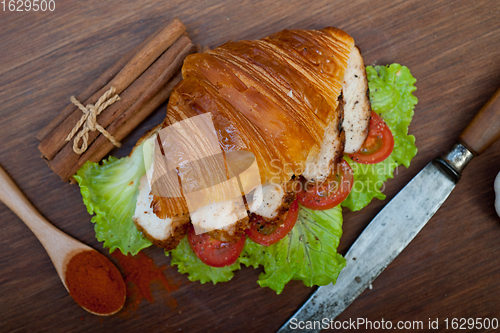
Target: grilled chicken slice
[151,219]
[319,166]
[231,233]
[276,200]
[347,133]
[357,106]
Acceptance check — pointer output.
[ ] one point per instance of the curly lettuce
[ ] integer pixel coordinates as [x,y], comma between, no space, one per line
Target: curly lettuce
[109,191]
[391,89]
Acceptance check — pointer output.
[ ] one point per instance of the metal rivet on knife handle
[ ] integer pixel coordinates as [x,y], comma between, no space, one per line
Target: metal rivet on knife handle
[453,162]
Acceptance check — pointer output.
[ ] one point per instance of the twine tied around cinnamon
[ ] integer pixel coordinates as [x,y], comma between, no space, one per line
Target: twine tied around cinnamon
[89,121]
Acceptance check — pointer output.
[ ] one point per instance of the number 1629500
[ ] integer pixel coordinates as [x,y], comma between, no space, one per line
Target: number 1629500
[28,5]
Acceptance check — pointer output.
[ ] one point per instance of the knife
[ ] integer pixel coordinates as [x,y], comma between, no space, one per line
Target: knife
[398,223]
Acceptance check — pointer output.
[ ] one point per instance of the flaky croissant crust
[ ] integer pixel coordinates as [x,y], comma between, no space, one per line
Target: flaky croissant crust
[274,96]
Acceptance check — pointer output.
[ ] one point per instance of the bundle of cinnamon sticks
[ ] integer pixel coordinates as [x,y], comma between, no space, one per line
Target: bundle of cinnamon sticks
[142,79]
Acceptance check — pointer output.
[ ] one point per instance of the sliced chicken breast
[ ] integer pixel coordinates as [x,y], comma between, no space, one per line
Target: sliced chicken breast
[320,166]
[353,114]
[163,231]
[357,107]
[276,200]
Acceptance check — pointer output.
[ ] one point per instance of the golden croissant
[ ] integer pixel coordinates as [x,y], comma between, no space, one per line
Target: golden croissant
[296,99]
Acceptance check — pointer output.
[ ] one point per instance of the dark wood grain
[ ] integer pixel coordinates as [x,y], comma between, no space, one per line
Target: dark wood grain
[450,270]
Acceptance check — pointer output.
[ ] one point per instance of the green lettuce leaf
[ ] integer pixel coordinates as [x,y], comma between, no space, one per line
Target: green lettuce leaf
[109,191]
[391,89]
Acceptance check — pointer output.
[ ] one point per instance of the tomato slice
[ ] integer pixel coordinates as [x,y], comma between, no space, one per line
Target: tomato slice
[265,234]
[213,252]
[378,144]
[329,194]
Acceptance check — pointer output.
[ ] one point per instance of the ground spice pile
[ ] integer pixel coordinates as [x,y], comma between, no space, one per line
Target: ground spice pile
[95,283]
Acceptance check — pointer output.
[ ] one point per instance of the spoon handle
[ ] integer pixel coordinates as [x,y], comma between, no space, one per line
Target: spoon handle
[58,245]
[15,199]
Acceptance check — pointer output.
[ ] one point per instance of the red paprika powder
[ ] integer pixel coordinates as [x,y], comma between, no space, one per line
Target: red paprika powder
[141,271]
[95,283]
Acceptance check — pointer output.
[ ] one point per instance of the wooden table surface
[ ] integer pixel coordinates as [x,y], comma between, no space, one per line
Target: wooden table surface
[451,269]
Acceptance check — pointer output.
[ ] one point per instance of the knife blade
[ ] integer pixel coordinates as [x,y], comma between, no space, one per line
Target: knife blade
[392,230]
[397,224]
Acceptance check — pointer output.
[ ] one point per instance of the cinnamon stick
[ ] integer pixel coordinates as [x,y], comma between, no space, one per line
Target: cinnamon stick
[95,86]
[144,88]
[143,59]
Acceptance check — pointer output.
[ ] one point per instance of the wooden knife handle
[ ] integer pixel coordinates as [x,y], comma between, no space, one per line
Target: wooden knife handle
[484,129]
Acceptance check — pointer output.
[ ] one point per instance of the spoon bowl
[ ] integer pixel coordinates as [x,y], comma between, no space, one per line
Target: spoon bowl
[60,247]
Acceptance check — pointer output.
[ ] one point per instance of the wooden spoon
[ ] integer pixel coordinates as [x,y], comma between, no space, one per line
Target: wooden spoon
[60,247]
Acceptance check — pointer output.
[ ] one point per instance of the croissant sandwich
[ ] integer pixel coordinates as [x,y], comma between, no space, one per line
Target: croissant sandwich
[263,142]
[297,100]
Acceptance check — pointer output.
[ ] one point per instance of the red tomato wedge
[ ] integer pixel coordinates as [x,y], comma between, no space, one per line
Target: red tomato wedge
[378,145]
[267,235]
[330,194]
[213,252]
